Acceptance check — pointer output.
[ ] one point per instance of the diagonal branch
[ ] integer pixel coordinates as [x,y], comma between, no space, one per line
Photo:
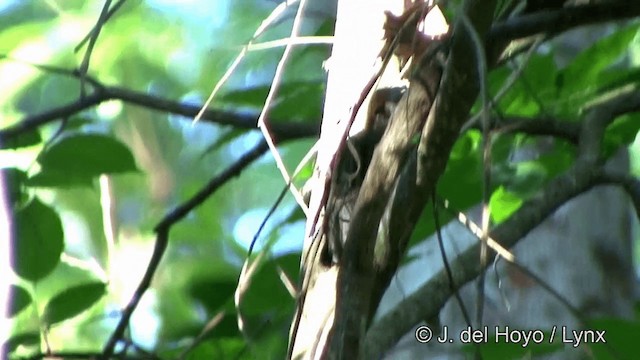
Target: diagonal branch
[427,301]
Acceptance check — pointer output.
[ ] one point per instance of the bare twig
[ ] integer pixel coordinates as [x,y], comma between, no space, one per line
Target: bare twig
[282,130]
[84,67]
[445,262]
[481,68]
[263,124]
[511,260]
[208,328]
[275,14]
[110,13]
[513,77]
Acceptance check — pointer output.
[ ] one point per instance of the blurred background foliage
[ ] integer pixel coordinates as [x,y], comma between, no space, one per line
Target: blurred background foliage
[86,193]
[154,161]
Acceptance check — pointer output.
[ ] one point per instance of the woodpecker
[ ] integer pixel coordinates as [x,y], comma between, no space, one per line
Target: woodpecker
[353,167]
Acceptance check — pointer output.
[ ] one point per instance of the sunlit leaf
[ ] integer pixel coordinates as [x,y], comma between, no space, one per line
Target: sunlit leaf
[73,301]
[502,204]
[461,182]
[19,299]
[87,155]
[585,77]
[584,70]
[535,88]
[621,132]
[14,36]
[38,242]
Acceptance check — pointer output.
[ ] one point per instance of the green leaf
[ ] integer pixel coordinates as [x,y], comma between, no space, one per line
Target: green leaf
[586,76]
[266,292]
[534,87]
[621,338]
[39,241]
[73,301]
[584,71]
[22,34]
[621,132]
[531,175]
[213,293]
[25,139]
[502,204]
[26,339]
[461,182]
[19,299]
[497,349]
[87,155]
[295,99]
[51,178]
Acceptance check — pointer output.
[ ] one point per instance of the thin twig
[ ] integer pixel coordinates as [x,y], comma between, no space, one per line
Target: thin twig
[513,77]
[481,62]
[262,119]
[298,40]
[84,67]
[208,328]
[227,74]
[445,262]
[112,11]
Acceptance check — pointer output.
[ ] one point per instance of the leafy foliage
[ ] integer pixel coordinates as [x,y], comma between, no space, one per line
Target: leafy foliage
[39,241]
[75,229]
[20,300]
[72,301]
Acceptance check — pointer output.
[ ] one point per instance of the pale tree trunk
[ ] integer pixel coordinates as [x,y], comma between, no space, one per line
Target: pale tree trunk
[355,52]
